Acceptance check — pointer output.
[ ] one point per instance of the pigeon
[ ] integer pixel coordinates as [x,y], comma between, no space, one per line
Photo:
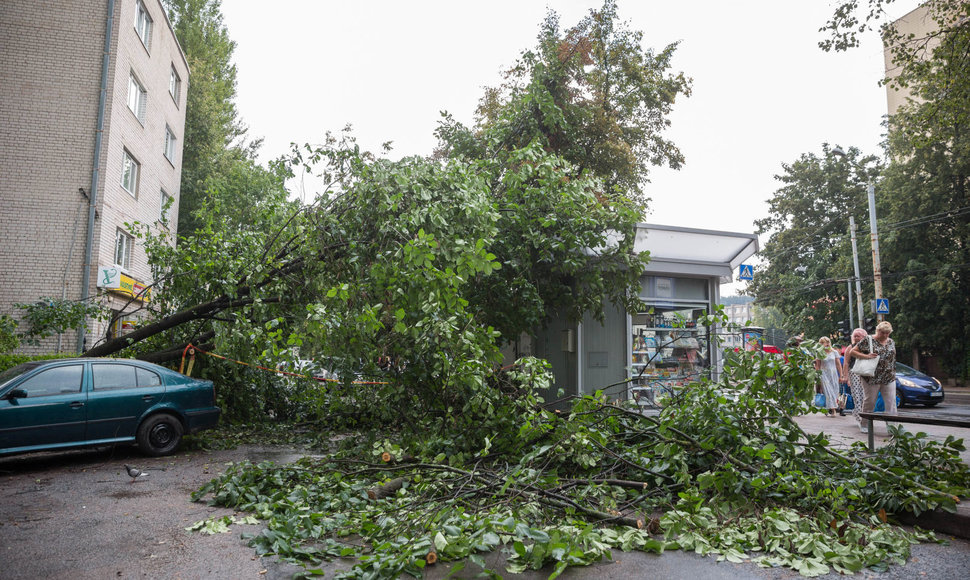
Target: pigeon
[134,473]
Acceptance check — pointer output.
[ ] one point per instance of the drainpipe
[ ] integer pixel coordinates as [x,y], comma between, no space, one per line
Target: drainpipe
[95,174]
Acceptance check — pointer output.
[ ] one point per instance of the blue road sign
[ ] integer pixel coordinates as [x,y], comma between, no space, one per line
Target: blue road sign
[882,305]
[746,273]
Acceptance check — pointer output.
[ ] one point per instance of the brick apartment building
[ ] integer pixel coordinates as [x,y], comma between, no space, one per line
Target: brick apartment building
[68,186]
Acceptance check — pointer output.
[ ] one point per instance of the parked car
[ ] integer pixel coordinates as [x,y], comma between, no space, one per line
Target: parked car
[66,403]
[916,388]
[912,388]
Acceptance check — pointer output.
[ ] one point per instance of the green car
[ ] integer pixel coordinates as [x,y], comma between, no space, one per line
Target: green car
[65,403]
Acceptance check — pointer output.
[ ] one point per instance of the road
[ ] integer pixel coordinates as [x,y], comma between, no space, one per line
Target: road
[957,399]
[956,402]
[76,516]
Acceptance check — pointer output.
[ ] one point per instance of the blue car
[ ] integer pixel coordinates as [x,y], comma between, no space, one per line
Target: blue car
[912,388]
[66,403]
[915,388]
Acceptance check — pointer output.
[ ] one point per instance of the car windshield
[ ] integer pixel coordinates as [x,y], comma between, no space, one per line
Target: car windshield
[14,372]
[906,371]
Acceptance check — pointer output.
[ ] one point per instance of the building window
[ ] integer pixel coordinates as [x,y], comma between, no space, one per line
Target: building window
[120,325]
[169,144]
[175,85]
[166,207]
[137,97]
[143,24]
[129,174]
[123,243]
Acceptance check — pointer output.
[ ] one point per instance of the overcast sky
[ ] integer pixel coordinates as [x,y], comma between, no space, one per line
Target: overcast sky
[763,92]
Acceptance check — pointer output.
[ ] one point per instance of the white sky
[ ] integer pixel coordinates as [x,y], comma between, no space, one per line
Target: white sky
[763,92]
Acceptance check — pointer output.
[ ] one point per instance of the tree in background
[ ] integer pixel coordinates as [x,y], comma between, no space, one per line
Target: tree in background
[923,201]
[808,255]
[216,163]
[594,97]
[591,94]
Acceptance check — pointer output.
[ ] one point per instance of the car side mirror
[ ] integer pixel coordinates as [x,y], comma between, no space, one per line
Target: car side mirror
[16,394]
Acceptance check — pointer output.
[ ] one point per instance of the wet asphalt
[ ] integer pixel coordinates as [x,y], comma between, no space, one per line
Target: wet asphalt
[76,515]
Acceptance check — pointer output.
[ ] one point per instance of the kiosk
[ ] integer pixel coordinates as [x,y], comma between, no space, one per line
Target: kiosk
[664,344]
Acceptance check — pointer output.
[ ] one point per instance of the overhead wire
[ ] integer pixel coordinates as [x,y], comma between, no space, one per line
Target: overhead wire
[890,227]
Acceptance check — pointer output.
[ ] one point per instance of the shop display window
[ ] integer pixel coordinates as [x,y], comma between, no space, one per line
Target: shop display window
[670,348]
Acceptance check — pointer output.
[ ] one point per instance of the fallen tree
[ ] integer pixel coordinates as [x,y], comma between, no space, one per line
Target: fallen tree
[722,470]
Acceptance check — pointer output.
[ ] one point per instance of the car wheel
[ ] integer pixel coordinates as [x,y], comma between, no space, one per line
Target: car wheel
[159,435]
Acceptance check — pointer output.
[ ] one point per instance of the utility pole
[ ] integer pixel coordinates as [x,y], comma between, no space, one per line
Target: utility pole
[858,283]
[848,286]
[876,270]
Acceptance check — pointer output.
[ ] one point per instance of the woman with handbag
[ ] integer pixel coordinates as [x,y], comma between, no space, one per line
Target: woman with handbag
[854,380]
[831,373]
[882,379]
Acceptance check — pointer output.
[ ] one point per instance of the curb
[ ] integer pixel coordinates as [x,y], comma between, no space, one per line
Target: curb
[955,524]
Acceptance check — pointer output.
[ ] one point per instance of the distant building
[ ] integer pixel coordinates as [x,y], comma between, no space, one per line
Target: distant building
[82,121]
[738,310]
[921,24]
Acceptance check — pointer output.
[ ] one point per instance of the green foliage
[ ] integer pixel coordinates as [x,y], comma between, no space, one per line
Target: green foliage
[923,202]
[217,168]
[8,334]
[723,470]
[411,271]
[808,255]
[590,94]
[394,274]
[49,316]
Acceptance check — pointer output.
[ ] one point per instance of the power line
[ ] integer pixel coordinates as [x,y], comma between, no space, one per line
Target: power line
[929,219]
[884,228]
[838,281]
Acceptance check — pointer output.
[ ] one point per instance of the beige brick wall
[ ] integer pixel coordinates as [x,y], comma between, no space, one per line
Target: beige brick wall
[921,24]
[50,77]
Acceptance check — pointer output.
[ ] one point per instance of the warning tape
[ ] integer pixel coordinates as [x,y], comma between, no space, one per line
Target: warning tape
[191,349]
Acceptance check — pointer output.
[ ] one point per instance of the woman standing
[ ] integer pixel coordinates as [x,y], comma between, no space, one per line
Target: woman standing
[884,380]
[831,375]
[854,380]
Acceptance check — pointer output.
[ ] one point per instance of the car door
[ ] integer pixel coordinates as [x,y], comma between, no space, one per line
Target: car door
[53,412]
[120,394]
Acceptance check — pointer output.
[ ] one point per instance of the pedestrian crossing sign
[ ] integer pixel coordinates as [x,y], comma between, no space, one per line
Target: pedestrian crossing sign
[882,305]
[746,273]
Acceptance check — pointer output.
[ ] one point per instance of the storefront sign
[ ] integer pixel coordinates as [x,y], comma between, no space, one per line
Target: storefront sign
[111,278]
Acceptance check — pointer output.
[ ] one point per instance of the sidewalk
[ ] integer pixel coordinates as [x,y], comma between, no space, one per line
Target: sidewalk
[843,431]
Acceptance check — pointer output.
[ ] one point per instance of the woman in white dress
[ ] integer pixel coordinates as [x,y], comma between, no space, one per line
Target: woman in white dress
[831,375]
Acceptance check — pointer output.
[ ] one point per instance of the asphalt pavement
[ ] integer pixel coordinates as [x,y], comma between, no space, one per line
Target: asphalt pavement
[76,515]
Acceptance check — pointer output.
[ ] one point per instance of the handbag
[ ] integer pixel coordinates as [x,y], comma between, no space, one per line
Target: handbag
[866,367]
[842,401]
[819,400]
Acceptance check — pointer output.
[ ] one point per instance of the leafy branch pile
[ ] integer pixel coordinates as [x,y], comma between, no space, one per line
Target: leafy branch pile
[722,470]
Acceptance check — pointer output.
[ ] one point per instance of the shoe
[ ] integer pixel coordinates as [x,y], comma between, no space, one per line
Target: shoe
[863,428]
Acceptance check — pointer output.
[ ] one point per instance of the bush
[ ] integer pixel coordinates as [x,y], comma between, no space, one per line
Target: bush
[8,334]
